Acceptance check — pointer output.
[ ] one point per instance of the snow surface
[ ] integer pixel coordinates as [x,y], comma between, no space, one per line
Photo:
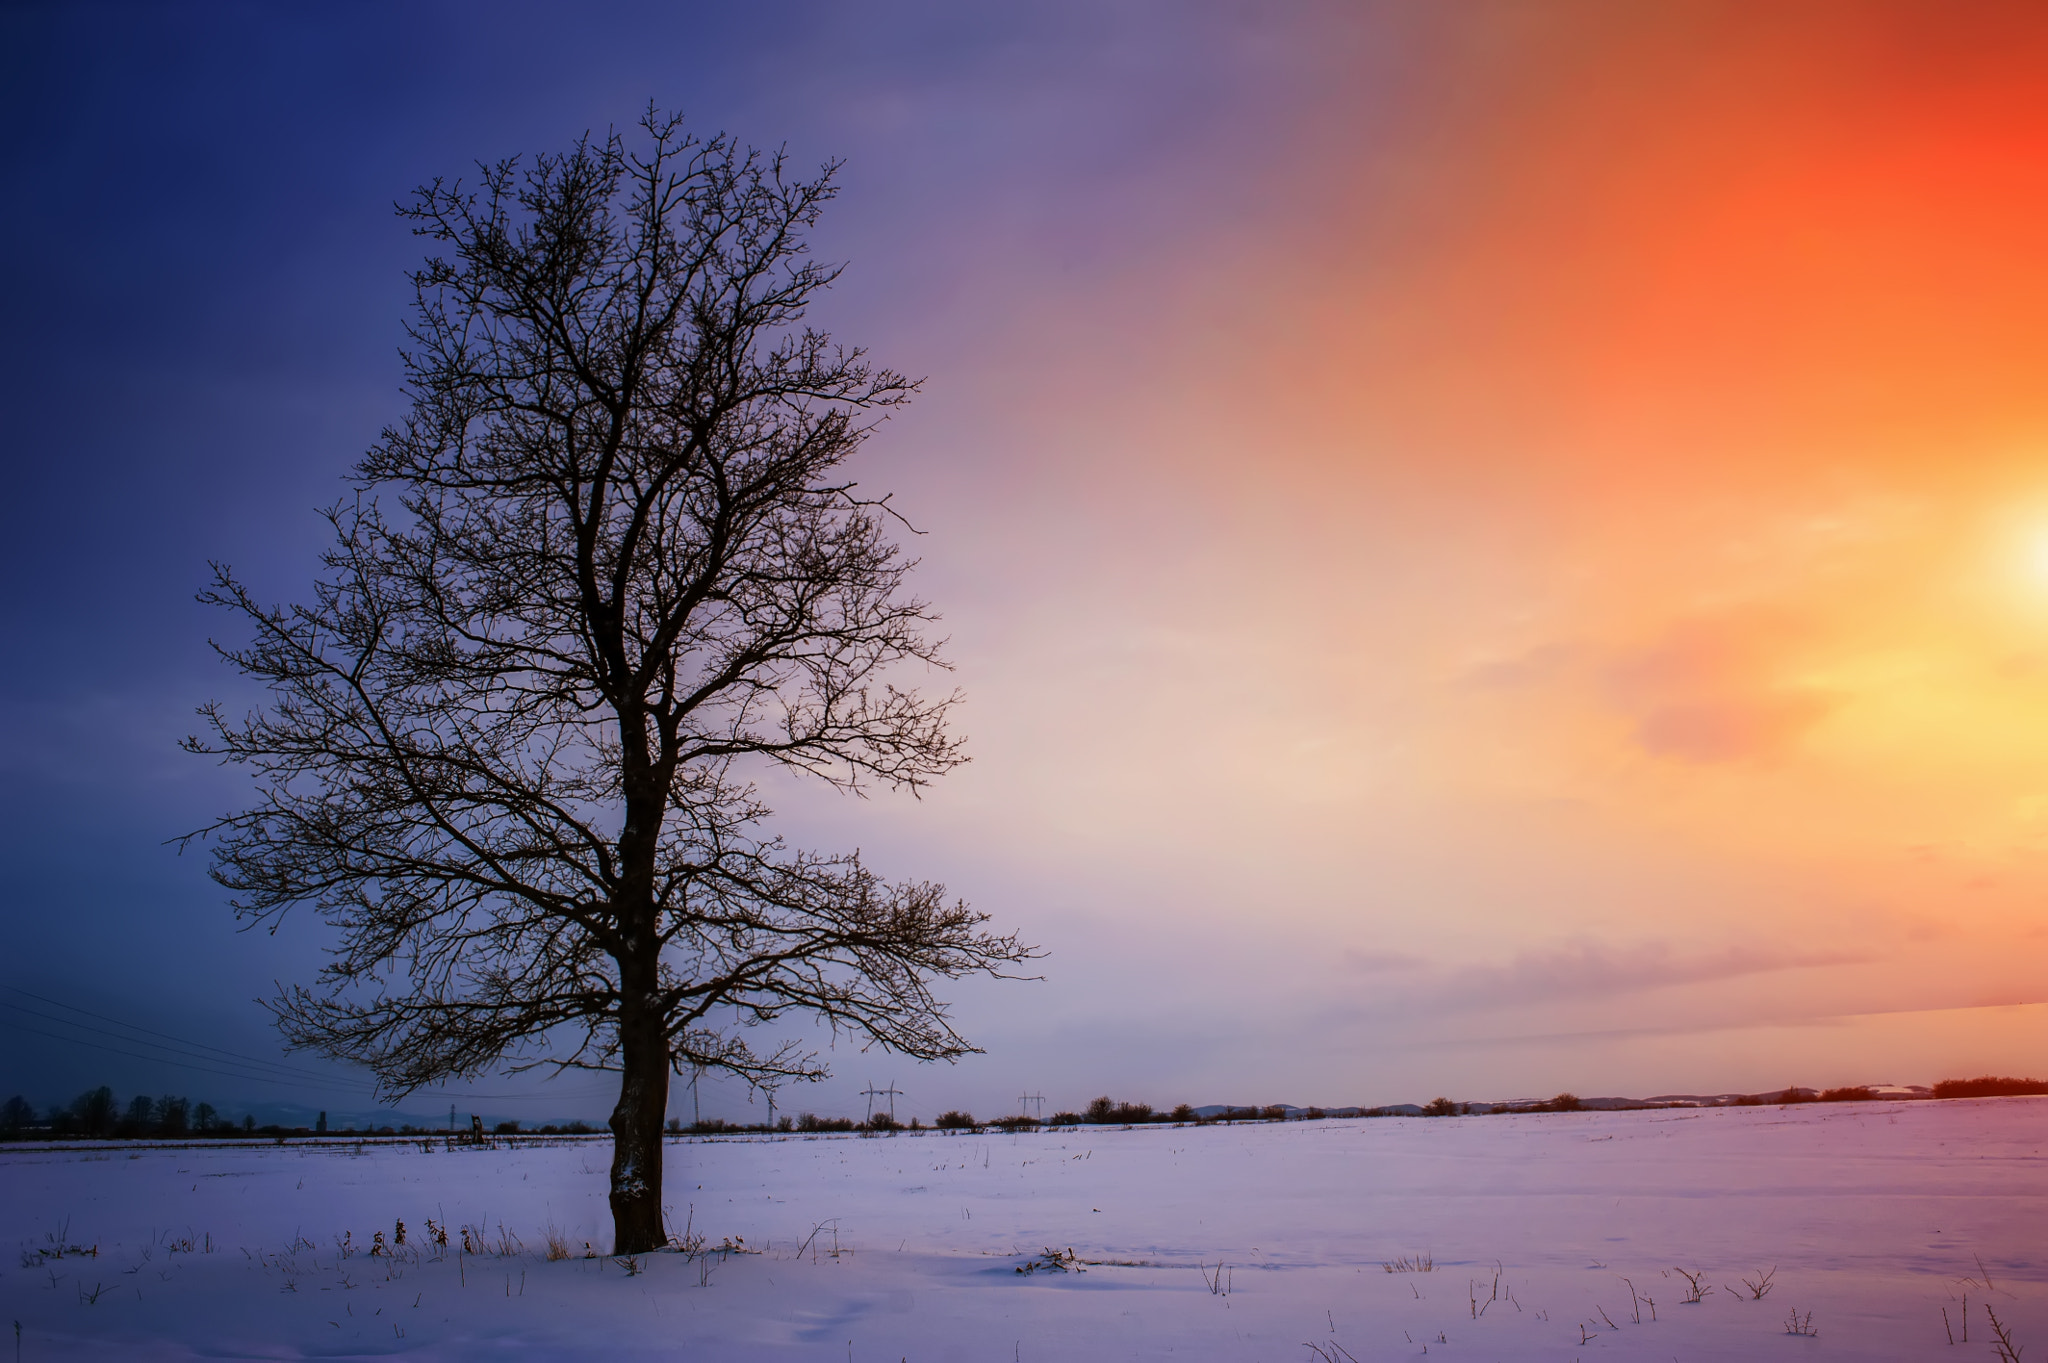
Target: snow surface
[1875,1216]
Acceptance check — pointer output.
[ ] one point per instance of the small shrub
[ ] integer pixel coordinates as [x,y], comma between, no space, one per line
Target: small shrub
[1564,1102]
[956,1121]
[1439,1107]
[1273,1112]
[1858,1093]
[1314,1114]
[882,1121]
[506,1128]
[1183,1113]
[1065,1119]
[1015,1123]
[810,1121]
[1100,1111]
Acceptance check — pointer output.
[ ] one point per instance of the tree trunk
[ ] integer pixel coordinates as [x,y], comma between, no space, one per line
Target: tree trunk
[636,1133]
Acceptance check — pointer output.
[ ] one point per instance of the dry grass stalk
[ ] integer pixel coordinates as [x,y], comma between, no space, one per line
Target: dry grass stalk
[2001,1337]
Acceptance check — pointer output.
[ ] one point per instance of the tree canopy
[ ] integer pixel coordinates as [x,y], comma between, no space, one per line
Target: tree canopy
[609,565]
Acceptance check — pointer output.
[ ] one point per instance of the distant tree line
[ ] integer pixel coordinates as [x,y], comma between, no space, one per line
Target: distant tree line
[1105,1111]
[1985,1086]
[96,1112]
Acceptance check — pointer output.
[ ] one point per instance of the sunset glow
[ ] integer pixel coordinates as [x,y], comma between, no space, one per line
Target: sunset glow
[1580,534]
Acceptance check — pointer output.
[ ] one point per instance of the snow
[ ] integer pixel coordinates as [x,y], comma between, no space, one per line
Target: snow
[1874,1215]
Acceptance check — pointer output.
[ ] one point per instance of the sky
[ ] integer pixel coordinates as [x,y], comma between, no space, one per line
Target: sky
[1491,549]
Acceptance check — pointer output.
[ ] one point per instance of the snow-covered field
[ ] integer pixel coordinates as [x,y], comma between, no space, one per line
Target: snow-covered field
[1551,1236]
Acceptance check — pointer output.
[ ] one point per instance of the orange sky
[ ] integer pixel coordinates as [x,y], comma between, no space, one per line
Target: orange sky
[1559,550]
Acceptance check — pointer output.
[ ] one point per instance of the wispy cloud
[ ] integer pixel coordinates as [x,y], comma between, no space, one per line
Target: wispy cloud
[1380,962]
[1706,691]
[1791,1017]
[1577,973]
[1589,971]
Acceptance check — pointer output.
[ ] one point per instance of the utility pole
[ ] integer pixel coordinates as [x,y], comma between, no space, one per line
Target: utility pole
[892,1093]
[1025,1100]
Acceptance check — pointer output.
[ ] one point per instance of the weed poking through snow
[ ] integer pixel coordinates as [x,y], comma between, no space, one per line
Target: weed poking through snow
[1053,1261]
[56,1245]
[2001,1337]
[1796,1324]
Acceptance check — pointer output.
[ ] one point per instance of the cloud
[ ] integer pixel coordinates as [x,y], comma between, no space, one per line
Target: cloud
[1543,665]
[1714,690]
[1791,1017]
[1380,962]
[1729,728]
[1595,972]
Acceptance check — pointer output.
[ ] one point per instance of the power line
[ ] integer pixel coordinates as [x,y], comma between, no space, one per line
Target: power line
[153,1059]
[270,1071]
[149,1033]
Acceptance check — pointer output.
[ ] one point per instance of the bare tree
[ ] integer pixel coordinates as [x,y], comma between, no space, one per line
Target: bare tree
[504,752]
